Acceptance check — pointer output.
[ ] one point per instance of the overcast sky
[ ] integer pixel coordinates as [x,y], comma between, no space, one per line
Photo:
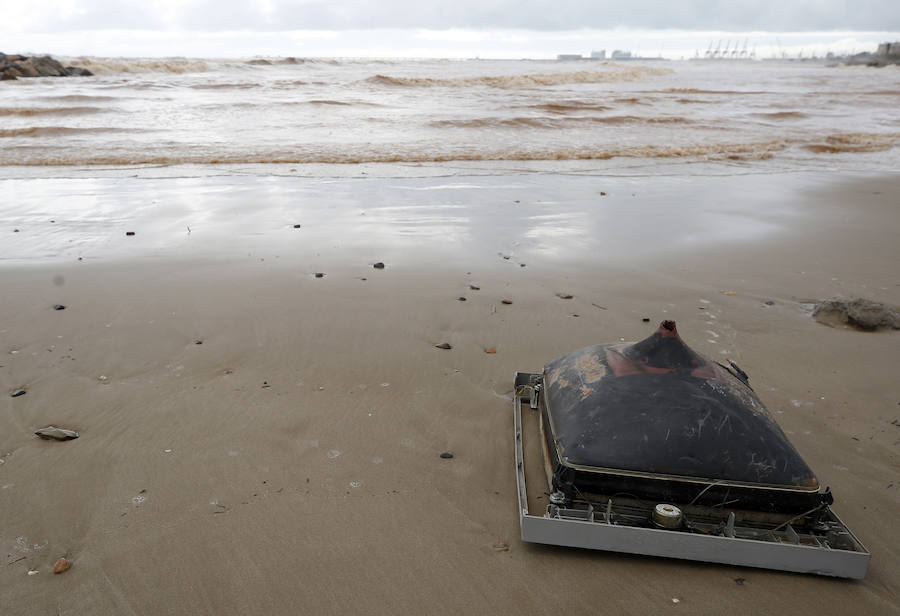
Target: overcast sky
[210,27]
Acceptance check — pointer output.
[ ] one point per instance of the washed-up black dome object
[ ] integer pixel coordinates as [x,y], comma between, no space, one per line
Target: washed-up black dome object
[656,420]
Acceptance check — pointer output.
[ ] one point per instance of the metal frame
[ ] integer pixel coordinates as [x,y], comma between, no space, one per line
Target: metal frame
[597,529]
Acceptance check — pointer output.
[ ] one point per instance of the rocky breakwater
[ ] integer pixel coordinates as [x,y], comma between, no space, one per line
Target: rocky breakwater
[15,66]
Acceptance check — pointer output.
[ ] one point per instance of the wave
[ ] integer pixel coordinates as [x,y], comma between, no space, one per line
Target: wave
[569,106]
[688,101]
[782,115]
[225,86]
[518,81]
[104,66]
[700,91]
[56,131]
[40,111]
[78,98]
[733,151]
[555,123]
[855,142]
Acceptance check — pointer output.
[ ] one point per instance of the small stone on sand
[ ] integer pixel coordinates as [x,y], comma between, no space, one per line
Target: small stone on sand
[129,233]
[62,565]
[506,301]
[446,455]
[320,275]
[17,393]
[379,265]
[444,345]
[461,298]
[56,434]
[296,226]
[474,288]
[564,295]
[59,307]
[490,351]
[646,319]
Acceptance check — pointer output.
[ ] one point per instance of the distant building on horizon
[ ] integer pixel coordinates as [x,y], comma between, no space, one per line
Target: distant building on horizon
[569,56]
[598,55]
[888,49]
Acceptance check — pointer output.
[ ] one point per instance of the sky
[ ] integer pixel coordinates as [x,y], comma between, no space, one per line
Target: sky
[441,28]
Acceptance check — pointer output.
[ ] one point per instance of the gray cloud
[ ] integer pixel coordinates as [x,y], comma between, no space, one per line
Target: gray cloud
[736,15]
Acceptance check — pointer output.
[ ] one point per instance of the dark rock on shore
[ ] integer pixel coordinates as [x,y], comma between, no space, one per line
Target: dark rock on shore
[857,312]
[15,66]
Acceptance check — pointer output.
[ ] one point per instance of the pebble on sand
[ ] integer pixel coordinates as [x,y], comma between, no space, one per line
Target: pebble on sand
[59,307]
[446,455]
[129,233]
[564,295]
[57,434]
[474,287]
[17,393]
[61,566]
[490,351]
[646,319]
[379,265]
[461,298]
[297,226]
[444,345]
[506,301]
[320,275]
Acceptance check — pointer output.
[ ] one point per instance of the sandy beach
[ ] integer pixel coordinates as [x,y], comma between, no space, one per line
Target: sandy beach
[257,440]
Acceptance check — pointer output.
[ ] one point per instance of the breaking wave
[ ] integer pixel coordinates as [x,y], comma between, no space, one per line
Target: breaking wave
[855,142]
[519,81]
[700,91]
[55,131]
[782,115]
[569,106]
[104,66]
[225,86]
[734,151]
[54,111]
[555,123]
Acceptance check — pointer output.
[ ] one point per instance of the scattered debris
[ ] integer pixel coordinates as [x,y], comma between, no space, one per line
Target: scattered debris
[461,298]
[564,295]
[444,345]
[446,455]
[17,393]
[474,287]
[320,275]
[58,434]
[379,265]
[33,572]
[501,547]
[129,233]
[61,566]
[506,301]
[857,312]
[59,307]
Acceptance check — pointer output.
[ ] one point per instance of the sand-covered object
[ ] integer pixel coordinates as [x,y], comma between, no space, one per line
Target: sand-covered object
[857,312]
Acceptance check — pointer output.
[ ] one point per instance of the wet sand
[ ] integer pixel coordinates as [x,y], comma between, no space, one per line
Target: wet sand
[291,460]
